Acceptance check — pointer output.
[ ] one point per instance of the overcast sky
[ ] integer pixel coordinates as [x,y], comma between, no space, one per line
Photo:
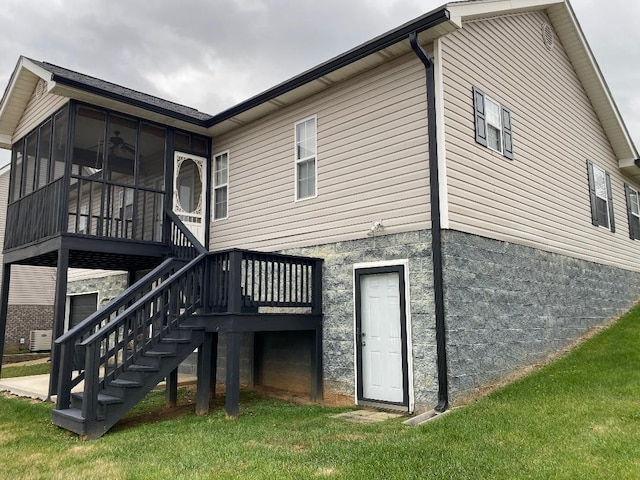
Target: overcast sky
[213,54]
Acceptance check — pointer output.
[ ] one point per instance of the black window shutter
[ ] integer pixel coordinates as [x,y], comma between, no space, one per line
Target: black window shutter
[612,225]
[480,117]
[592,194]
[634,223]
[506,133]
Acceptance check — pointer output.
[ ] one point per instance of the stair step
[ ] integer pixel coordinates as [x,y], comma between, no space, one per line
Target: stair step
[122,383]
[159,353]
[103,398]
[74,414]
[190,327]
[175,340]
[136,367]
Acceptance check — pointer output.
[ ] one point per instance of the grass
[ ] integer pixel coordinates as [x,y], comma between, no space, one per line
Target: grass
[576,418]
[17,370]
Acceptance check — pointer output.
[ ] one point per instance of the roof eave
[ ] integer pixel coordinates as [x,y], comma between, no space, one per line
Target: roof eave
[9,121]
[126,100]
[421,24]
[588,71]
[607,109]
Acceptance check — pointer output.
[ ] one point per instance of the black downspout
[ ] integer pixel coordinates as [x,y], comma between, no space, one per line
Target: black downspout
[436,236]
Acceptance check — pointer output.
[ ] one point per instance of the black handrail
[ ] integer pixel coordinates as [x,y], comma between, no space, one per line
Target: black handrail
[136,330]
[68,343]
[183,242]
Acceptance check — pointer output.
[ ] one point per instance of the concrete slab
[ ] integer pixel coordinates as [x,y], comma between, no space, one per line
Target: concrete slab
[37,386]
[367,416]
[33,386]
[424,417]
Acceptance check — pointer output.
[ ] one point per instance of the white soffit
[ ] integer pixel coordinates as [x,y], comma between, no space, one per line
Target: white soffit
[315,86]
[18,93]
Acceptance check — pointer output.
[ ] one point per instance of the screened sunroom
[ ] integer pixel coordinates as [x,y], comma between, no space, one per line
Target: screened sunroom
[94,174]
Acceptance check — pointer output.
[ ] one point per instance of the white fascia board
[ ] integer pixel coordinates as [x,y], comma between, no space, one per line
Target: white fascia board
[36,69]
[476,9]
[595,84]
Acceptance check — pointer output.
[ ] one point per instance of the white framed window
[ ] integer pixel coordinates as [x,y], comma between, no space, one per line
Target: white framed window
[633,211]
[492,124]
[601,200]
[306,158]
[221,185]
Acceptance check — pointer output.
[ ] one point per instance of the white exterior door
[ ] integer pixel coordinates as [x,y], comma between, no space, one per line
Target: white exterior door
[189,187]
[382,362]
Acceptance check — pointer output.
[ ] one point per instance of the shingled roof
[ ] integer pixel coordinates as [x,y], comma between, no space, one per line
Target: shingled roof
[118,92]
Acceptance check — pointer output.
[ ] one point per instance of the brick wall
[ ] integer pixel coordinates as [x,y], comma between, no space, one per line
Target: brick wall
[21,319]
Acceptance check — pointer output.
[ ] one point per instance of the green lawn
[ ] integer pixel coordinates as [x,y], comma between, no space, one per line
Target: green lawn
[578,418]
[17,370]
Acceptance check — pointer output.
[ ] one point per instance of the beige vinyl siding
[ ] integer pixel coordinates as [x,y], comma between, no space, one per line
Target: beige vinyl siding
[28,285]
[372,164]
[541,198]
[36,111]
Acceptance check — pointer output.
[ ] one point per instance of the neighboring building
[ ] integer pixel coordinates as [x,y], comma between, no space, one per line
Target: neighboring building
[31,294]
[473,214]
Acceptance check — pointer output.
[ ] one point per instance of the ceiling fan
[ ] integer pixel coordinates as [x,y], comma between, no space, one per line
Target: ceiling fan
[117,145]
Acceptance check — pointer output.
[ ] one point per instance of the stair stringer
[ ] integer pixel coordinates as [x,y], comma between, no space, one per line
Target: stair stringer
[110,414]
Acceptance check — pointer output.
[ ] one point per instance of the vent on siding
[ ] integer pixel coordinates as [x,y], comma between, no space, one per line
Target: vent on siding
[40,340]
[41,87]
[547,36]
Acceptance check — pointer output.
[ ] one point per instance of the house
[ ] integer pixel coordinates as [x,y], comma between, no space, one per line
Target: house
[29,309]
[405,224]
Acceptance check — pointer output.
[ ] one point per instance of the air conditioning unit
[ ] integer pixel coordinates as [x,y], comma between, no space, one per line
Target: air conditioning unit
[40,340]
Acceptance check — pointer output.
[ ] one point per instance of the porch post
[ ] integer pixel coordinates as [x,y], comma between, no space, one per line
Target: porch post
[232,395]
[59,307]
[131,277]
[316,365]
[171,389]
[214,364]
[316,347]
[204,374]
[4,307]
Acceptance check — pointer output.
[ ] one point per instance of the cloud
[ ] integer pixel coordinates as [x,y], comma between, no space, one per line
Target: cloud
[211,55]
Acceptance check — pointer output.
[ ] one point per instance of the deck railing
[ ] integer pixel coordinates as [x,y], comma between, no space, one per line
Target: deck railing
[183,243]
[245,281]
[138,329]
[36,216]
[231,282]
[72,353]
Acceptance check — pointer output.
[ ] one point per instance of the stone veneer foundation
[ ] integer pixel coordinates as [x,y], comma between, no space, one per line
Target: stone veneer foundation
[506,306]
[509,306]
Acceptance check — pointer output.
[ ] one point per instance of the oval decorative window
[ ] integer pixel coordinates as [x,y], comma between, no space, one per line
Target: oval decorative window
[189,186]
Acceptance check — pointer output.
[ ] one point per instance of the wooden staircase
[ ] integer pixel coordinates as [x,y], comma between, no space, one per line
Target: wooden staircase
[122,351]
[119,395]
[125,349]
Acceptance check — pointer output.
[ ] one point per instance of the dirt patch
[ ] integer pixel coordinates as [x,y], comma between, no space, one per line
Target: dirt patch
[326,472]
[25,358]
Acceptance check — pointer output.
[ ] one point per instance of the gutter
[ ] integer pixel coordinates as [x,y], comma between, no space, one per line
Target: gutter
[436,231]
[420,24]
